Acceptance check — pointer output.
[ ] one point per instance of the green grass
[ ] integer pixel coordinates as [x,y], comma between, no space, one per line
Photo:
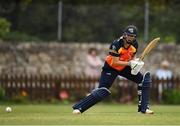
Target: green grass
[100,114]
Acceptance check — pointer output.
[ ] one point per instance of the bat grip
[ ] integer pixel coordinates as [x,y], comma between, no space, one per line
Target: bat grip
[141,58]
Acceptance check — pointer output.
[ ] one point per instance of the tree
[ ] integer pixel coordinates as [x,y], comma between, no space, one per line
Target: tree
[4,27]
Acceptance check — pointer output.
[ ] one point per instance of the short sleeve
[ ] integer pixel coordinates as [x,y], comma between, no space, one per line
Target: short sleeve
[113,49]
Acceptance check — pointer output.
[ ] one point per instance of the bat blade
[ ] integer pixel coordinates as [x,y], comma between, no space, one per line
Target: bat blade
[149,47]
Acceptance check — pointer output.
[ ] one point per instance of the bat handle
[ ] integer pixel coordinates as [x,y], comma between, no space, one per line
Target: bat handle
[141,58]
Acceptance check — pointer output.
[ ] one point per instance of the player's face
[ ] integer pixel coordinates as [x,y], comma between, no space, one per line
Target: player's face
[130,38]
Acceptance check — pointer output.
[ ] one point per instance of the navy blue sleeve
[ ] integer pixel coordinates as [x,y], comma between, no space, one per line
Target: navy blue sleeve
[113,49]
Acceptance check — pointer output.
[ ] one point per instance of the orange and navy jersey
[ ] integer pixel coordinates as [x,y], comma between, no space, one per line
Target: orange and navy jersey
[117,49]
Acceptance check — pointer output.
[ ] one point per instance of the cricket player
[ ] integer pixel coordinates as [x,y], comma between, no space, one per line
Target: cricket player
[121,61]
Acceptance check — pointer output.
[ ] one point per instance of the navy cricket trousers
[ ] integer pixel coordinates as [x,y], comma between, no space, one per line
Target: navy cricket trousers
[108,75]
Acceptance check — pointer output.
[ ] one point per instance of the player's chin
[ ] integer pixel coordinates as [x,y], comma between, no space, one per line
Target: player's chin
[129,42]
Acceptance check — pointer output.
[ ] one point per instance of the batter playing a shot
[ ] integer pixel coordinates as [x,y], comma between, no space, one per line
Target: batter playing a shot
[121,61]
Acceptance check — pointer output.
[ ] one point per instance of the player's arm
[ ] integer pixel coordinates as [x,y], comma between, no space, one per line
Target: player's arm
[117,62]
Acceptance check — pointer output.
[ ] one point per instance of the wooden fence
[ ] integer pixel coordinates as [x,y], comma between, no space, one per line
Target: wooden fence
[49,86]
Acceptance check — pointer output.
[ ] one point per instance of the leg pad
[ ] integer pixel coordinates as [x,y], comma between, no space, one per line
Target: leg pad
[145,91]
[96,96]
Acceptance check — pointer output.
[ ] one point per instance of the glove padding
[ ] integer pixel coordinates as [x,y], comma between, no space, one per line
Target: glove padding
[136,66]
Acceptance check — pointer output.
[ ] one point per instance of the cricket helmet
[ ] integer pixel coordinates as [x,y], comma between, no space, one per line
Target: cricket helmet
[131,30]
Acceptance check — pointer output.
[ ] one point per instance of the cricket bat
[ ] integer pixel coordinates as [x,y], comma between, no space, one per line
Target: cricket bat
[146,51]
[148,48]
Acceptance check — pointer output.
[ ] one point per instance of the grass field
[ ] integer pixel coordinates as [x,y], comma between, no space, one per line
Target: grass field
[101,114]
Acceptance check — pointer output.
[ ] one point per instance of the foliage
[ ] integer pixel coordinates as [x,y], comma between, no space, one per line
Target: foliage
[172,96]
[17,36]
[2,94]
[86,20]
[98,23]
[39,20]
[19,99]
[7,35]
[4,27]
